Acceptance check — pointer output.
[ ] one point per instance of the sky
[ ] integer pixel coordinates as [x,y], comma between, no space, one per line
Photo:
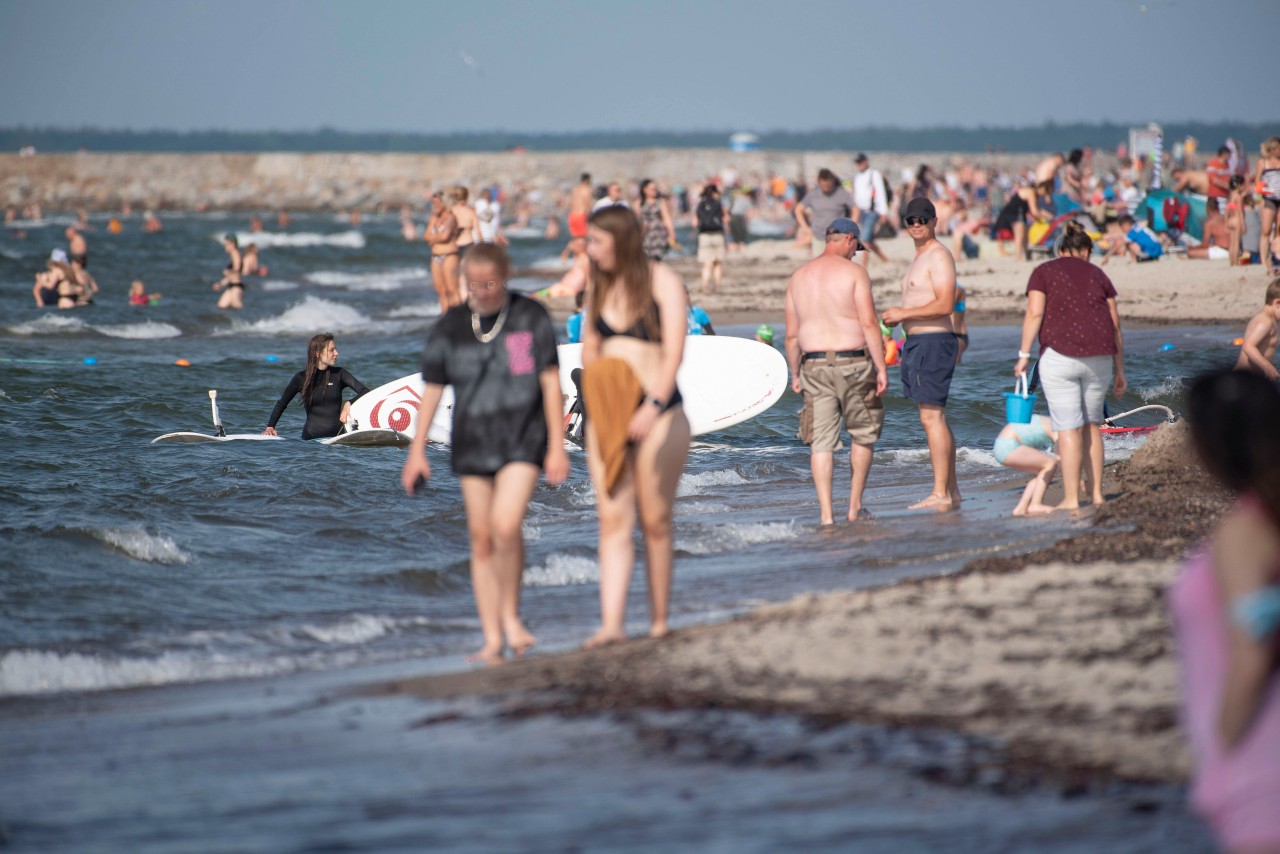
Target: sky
[563,65]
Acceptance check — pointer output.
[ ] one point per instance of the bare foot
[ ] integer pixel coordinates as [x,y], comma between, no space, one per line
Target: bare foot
[604,638]
[659,630]
[940,503]
[1069,505]
[1099,500]
[521,641]
[863,515]
[1041,510]
[486,655]
[1019,511]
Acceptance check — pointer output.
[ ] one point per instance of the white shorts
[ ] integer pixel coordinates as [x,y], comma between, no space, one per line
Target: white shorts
[1217,253]
[1075,389]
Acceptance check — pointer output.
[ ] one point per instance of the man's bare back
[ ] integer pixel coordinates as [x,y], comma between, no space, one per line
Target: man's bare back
[822,295]
[580,199]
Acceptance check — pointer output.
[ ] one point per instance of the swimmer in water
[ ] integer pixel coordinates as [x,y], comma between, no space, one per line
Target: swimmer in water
[230,284]
[1026,447]
[320,386]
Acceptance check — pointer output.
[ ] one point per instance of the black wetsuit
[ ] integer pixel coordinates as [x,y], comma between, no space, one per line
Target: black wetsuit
[498,415]
[324,403]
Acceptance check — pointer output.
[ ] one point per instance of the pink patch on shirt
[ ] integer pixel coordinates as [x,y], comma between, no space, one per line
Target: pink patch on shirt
[520,353]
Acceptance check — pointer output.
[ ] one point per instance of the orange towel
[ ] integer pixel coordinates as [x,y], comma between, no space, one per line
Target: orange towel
[610,395]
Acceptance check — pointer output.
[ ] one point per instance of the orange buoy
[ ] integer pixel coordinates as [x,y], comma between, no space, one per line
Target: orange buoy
[1239,342]
[182,363]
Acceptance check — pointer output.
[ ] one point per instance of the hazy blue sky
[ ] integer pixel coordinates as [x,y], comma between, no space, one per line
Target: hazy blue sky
[664,64]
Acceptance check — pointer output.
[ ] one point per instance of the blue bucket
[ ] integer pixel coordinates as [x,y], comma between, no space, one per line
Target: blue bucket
[1018,404]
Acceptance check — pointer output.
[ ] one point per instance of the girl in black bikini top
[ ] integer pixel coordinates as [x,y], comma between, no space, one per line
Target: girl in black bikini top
[639,331]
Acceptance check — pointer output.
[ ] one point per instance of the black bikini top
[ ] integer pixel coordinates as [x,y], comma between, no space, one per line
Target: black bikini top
[635,330]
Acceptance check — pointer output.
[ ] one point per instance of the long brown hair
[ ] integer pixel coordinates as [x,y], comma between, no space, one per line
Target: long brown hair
[630,269]
[315,347]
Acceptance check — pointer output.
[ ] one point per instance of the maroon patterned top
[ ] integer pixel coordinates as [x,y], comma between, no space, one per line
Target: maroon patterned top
[1077,319]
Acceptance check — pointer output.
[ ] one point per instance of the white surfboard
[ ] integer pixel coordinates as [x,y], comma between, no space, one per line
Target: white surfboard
[724,381]
[185,437]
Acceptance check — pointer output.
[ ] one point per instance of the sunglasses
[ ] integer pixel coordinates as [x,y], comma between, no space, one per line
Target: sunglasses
[917,220]
[486,286]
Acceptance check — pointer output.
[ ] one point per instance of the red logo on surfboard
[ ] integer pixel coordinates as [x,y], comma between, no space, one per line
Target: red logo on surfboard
[400,411]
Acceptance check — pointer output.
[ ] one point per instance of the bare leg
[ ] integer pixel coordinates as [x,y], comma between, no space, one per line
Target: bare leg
[1071,446]
[717,275]
[659,462]
[875,248]
[820,463]
[1039,464]
[512,488]
[1095,454]
[942,455]
[1264,244]
[706,276]
[860,463]
[438,282]
[477,498]
[450,267]
[617,556]
[1020,239]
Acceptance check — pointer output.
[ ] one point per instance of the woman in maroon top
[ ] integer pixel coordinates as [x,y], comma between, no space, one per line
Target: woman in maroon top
[1071,307]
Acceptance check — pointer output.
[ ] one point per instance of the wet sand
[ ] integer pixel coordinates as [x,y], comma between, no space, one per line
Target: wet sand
[1166,292]
[1060,661]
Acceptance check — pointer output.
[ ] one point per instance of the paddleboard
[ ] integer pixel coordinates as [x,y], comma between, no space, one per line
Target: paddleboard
[724,381]
[369,438]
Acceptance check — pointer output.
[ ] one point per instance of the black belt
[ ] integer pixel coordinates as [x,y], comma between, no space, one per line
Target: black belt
[838,354]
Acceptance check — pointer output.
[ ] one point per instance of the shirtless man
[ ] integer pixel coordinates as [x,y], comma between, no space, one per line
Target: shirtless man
[77,248]
[1048,169]
[930,351]
[1258,353]
[837,362]
[1190,180]
[1216,243]
[230,284]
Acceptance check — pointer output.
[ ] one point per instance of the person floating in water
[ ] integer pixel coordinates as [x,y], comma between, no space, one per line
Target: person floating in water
[320,386]
[230,284]
[138,294]
[498,352]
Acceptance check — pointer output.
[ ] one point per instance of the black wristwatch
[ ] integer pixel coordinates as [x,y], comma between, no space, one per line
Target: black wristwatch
[656,402]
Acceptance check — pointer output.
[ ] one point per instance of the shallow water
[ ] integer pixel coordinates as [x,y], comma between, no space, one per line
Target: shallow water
[129,564]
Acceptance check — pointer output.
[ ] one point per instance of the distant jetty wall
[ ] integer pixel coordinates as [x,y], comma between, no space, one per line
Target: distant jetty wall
[267,181]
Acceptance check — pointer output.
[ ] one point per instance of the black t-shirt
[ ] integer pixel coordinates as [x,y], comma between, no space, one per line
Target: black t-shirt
[324,403]
[497,412]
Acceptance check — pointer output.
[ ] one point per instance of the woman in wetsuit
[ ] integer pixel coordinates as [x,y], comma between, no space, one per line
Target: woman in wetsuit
[320,385]
[637,312]
[498,351]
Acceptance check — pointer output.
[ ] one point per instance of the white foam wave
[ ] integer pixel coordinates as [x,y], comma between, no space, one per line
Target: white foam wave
[50,324]
[979,457]
[278,285]
[421,309]
[140,545]
[305,318]
[529,232]
[271,239]
[696,484]
[731,537]
[562,571]
[381,280]
[41,672]
[356,629]
[12,256]
[147,329]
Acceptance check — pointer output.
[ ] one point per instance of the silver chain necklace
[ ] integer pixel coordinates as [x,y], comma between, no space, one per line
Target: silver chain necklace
[486,337]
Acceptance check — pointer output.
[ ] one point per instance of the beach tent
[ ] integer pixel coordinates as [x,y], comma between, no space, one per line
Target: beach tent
[1151,211]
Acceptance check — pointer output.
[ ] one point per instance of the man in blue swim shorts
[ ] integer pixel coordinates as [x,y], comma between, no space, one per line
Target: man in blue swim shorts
[929,354]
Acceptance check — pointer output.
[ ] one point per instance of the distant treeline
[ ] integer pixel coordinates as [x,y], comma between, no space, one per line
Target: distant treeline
[1048,137]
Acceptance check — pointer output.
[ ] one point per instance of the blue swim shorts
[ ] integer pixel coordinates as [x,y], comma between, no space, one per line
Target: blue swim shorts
[928,363]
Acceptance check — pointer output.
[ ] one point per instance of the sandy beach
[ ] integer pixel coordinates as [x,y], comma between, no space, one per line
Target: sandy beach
[1168,292]
[1059,662]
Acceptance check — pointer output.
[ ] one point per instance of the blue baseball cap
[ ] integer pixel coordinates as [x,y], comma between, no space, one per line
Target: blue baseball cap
[844,225]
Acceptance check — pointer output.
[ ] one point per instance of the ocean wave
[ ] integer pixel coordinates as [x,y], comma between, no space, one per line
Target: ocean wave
[697,484]
[980,457]
[562,570]
[277,240]
[278,285]
[304,319]
[27,671]
[382,280]
[144,330]
[137,543]
[1172,387]
[420,309]
[731,537]
[50,324]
